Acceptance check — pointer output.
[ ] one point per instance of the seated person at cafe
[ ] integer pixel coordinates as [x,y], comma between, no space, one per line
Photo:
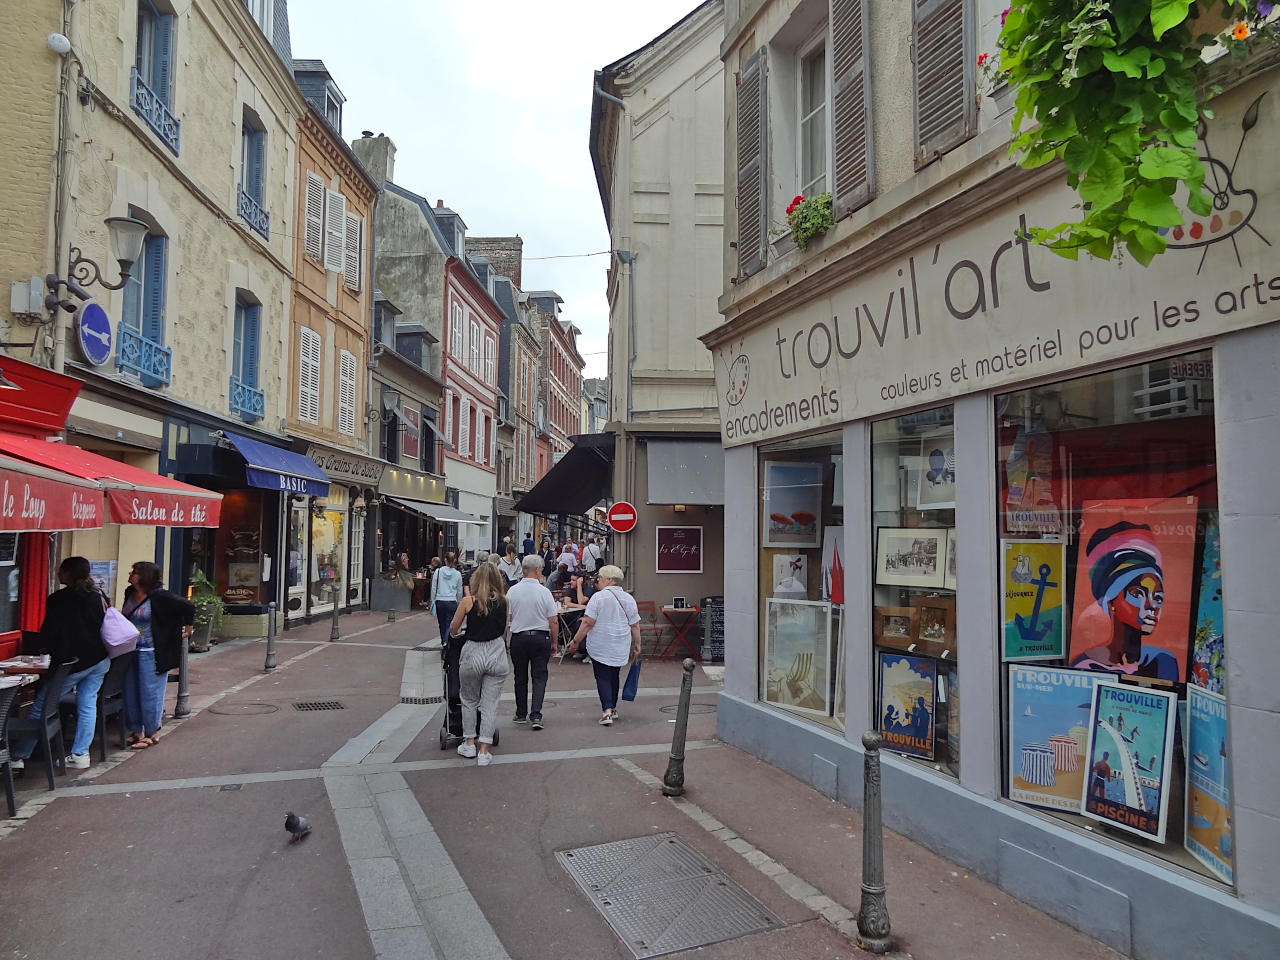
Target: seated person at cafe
[579,591]
[559,580]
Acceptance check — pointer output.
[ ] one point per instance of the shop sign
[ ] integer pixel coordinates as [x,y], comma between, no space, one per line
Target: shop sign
[679,550]
[34,503]
[347,468]
[163,509]
[410,444]
[984,308]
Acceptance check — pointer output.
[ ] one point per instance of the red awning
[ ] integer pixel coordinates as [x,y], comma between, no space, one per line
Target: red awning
[33,498]
[134,495]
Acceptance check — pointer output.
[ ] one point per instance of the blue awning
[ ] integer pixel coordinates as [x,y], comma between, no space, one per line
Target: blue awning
[271,468]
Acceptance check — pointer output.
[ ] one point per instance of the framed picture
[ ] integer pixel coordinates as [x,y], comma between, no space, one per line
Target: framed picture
[792,504]
[907,687]
[797,653]
[1048,734]
[790,576]
[949,577]
[936,621]
[937,481]
[678,603]
[8,549]
[1208,833]
[832,564]
[678,550]
[911,556]
[894,626]
[1033,584]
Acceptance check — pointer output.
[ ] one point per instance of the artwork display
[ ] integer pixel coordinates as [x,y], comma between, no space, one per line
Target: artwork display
[936,622]
[1130,758]
[949,576]
[103,573]
[792,503]
[797,655]
[937,480]
[1208,668]
[911,556]
[833,564]
[678,550]
[953,711]
[906,703]
[894,626]
[1133,587]
[1208,832]
[790,576]
[1049,734]
[1030,505]
[1033,583]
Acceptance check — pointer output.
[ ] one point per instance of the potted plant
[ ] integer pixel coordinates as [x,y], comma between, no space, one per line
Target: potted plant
[809,218]
[210,610]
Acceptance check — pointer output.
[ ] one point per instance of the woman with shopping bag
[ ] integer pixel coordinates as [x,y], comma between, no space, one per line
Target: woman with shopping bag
[611,627]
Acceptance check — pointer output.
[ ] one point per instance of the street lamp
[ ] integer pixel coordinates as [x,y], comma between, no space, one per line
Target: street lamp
[127,236]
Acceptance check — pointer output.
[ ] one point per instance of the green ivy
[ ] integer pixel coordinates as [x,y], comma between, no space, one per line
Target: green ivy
[810,218]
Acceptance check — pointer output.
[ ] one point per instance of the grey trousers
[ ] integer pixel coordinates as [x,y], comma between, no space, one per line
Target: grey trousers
[482,673]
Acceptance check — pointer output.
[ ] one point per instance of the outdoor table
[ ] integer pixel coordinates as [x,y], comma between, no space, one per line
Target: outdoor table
[682,620]
[25,664]
[570,617]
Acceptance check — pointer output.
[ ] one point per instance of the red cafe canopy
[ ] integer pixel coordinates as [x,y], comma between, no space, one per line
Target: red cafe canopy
[134,495]
[33,498]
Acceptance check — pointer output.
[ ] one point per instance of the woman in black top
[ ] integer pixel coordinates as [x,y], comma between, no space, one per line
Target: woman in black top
[482,665]
[548,557]
[164,622]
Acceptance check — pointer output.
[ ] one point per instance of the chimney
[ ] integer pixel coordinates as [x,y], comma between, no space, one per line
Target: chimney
[439,204]
[377,155]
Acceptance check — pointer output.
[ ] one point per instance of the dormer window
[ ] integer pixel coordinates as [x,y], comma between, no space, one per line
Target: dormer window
[260,10]
[333,107]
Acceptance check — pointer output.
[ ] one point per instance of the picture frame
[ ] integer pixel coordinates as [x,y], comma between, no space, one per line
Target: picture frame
[949,576]
[936,622]
[1049,734]
[797,656]
[911,556]
[1033,579]
[936,489]
[790,576]
[908,698]
[678,603]
[792,504]
[1208,835]
[677,549]
[894,627]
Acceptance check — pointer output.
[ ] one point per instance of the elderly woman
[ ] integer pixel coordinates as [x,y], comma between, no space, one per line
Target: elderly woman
[482,664]
[611,626]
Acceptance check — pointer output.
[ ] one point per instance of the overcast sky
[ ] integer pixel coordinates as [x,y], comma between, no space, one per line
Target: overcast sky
[489,106]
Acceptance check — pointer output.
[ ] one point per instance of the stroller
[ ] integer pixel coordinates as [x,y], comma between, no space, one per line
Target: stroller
[451,731]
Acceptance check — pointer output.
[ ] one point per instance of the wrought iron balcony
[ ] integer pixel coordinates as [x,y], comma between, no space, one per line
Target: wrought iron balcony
[144,358]
[254,215]
[151,109]
[249,402]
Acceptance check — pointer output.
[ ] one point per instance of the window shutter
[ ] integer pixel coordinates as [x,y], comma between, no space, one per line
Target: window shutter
[249,345]
[162,57]
[308,375]
[347,393]
[351,269]
[480,448]
[944,81]
[850,105]
[448,416]
[313,228]
[464,427]
[753,189]
[257,165]
[488,360]
[335,230]
[153,298]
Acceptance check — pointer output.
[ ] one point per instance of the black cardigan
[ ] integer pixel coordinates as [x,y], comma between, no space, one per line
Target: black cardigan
[169,614]
[72,628]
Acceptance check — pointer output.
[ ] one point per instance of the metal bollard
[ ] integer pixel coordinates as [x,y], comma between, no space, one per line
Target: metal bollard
[182,705]
[333,629]
[391,613]
[873,913]
[270,663]
[673,779]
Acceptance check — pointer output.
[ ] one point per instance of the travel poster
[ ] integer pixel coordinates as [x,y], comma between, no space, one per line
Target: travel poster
[906,703]
[1208,650]
[1129,758]
[833,564]
[1033,581]
[797,655]
[1134,577]
[1208,835]
[792,503]
[1048,734]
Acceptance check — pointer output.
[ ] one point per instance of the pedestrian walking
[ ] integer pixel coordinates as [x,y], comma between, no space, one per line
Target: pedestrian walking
[591,554]
[446,592]
[569,557]
[482,665]
[509,566]
[164,623]
[548,557]
[528,546]
[611,627]
[535,629]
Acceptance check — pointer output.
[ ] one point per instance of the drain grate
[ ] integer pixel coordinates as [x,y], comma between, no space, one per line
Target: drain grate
[661,896]
[318,705]
[422,699]
[693,708]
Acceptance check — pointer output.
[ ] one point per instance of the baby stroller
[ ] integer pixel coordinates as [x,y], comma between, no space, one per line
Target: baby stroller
[451,731]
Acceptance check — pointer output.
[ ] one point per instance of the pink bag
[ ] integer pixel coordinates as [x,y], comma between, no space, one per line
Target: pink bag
[119,636]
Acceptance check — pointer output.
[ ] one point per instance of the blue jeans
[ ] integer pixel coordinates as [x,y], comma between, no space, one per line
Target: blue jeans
[445,609]
[607,679]
[86,683]
[144,694]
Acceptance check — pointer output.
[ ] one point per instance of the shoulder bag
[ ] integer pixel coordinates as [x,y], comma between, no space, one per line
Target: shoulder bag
[119,636]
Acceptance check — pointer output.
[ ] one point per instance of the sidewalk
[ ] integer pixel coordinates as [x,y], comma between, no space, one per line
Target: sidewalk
[418,853]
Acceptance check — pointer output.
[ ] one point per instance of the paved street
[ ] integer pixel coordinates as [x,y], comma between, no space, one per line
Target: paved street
[180,850]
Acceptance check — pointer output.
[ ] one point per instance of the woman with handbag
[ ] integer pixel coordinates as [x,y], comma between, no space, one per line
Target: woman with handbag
[446,591]
[164,623]
[72,633]
[611,626]
[482,664]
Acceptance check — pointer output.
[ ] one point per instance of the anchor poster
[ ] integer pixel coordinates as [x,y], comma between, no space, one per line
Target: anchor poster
[1208,836]
[1129,758]
[1033,578]
[906,702]
[1048,734]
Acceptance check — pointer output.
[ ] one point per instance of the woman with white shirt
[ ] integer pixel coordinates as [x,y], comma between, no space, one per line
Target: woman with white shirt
[446,592]
[611,626]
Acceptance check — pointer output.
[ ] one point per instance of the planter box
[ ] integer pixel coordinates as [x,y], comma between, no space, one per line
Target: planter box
[385,595]
[201,636]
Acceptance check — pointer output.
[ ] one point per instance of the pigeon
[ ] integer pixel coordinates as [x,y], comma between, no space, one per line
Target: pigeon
[298,826]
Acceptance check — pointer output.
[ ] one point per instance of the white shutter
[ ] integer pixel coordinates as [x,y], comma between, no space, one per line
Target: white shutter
[335,231]
[308,375]
[351,269]
[480,448]
[347,393]
[448,417]
[488,360]
[464,427]
[474,363]
[493,443]
[455,332]
[313,226]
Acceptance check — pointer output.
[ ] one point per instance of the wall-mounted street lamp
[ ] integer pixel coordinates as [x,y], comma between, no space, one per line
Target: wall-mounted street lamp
[127,236]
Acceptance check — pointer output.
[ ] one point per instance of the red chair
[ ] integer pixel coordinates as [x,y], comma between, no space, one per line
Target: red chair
[651,628]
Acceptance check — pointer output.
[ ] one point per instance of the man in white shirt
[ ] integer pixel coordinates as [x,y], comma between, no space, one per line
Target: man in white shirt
[591,555]
[569,557]
[535,627]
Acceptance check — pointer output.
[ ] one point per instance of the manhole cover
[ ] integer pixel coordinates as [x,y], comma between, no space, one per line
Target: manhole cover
[318,705]
[249,708]
[693,708]
[422,700]
[661,896]
[229,787]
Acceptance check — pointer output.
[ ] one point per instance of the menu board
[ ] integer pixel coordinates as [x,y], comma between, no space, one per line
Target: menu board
[713,630]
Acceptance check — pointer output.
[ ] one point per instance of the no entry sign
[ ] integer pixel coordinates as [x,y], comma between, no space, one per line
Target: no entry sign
[622,517]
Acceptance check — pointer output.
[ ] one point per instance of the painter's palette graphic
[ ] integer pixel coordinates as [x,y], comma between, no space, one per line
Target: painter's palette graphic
[739,375]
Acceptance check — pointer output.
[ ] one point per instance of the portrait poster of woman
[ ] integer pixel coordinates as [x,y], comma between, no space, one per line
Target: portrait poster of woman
[1133,587]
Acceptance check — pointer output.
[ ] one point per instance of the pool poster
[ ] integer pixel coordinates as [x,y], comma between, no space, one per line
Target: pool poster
[1048,734]
[907,703]
[1033,579]
[1208,835]
[1129,758]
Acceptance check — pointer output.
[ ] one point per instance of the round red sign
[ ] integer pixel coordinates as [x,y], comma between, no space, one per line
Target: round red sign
[622,517]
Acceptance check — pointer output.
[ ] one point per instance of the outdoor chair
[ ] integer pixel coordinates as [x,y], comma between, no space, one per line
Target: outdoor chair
[651,628]
[46,728]
[110,701]
[8,697]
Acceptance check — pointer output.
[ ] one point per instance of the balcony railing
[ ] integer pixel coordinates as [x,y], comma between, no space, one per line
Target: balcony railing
[151,109]
[249,402]
[144,358]
[253,214]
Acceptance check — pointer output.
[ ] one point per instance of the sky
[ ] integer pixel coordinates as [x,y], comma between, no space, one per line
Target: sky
[489,106]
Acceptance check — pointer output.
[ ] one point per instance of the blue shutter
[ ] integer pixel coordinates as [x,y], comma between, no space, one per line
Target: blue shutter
[257,164]
[162,58]
[153,297]
[237,341]
[249,346]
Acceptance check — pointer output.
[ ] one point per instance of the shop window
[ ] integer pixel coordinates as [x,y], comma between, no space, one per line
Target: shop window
[802,578]
[10,582]
[297,553]
[328,552]
[1112,633]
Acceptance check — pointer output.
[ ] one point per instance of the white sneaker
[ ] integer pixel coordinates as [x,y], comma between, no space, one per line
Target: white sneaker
[467,750]
[17,763]
[80,761]
[484,759]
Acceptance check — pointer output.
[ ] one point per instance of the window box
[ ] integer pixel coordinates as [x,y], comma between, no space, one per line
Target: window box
[142,357]
[248,401]
[152,109]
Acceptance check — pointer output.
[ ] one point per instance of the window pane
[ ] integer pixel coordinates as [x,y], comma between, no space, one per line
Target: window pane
[813,153]
[813,82]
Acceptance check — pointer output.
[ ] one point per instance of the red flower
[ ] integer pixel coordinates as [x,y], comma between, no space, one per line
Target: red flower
[982,58]
[795,202]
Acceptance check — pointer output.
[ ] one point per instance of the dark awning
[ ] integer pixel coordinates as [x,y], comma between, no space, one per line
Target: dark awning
[582,478]
[437,511]
[272,468]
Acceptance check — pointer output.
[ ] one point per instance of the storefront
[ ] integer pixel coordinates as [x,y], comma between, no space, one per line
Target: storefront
[1012,512]
[404,524]
[339,524]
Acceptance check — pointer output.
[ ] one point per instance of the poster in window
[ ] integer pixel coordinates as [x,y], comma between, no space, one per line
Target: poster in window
[911,556]
[797,654]
[1033,583]
[1133,587]
[833,564]
[792,504]
[1048,734]
[1208,649]
[791,576]
[411,439]
[1208,834]
[949,576]
[1129,758]
[1030,505]
[679,549]
[906,703]
[937,490]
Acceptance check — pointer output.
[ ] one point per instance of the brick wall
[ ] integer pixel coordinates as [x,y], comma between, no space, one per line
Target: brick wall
[504,253]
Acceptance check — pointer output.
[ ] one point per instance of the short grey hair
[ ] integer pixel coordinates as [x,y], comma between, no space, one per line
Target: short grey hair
[531,564]
[610,572]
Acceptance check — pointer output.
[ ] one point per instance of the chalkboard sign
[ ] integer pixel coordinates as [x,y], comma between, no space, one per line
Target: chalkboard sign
[712,629]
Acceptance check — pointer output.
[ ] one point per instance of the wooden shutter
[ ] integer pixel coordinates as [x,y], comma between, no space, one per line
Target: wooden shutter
[464,427]
[313,223]
[153,299]
[850,105]
[308,375]
[162,58]
[753,187]
[335,231]
[257,165]
[448,416]
[943,62]
[347,393]
[351,268]
[249,345]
